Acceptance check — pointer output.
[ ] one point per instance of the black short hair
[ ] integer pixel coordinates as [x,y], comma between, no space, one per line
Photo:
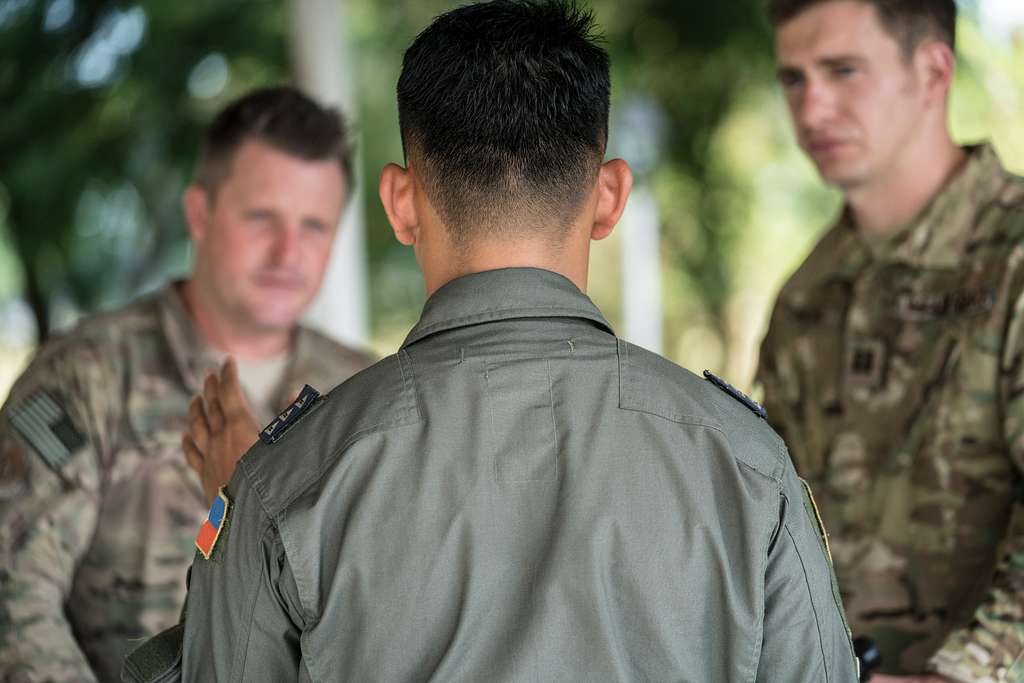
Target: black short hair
[907,21]
[503,109]
[281,117]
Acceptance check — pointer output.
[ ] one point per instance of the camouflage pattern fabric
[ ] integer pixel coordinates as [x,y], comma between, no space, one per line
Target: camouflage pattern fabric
[98,509]
[894,369]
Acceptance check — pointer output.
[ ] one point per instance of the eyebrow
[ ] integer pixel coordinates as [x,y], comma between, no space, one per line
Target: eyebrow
[840,60]
[314,222]
[825,62]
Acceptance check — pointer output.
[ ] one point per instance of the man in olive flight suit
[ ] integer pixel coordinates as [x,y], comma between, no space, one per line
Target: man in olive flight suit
[516,494]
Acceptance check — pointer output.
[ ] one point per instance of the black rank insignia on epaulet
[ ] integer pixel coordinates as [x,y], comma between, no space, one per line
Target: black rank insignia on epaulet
[754,406]
[283,422]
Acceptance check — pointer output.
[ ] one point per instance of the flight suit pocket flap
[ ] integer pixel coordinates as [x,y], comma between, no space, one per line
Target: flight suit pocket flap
[158,660]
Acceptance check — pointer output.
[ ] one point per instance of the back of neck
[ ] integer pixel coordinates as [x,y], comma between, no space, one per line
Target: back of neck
[570,260]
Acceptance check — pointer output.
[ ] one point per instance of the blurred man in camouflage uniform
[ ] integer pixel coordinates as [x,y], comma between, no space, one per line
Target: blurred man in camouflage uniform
[893,362]
[98,509]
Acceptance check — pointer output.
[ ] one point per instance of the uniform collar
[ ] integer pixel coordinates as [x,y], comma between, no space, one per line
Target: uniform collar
[195,358]
[938,237]
[503,295]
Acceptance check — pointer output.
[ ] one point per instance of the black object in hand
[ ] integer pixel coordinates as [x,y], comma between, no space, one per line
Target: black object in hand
[869,656]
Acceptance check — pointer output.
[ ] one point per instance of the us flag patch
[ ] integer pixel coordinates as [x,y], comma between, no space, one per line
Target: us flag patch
[209,532]
[47,428]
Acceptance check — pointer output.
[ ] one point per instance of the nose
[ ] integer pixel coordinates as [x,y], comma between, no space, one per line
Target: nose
[814,107]
[285,249]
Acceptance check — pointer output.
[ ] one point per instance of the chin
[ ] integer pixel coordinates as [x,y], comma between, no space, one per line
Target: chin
[288,318]
[842,177]
[274,320]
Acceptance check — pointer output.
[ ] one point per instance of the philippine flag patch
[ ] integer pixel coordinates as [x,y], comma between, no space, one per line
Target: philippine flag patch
[208,534]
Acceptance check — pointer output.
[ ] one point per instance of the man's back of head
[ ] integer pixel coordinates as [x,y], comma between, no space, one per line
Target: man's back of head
[503,109]
[503,106]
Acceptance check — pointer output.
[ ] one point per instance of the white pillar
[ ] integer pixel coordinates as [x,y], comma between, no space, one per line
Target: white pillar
[323,68]
[641,271]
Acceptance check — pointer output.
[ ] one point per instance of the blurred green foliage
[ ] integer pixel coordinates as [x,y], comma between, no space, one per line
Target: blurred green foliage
[104,104]
[99,132]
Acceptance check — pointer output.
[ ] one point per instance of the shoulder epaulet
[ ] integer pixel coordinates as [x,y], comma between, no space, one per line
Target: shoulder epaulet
[750,403]
[287,419]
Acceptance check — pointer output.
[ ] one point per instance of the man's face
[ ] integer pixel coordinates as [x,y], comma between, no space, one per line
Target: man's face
[262,243]
[853,95]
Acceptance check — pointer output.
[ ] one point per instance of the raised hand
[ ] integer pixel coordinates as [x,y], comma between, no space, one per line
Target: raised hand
[221,428]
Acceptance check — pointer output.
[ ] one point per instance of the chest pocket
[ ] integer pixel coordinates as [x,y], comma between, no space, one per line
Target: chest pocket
[906,334]
[925,409]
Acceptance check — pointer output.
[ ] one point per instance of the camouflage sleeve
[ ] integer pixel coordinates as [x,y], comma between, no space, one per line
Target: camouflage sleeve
[991,646]
[49,492]
[779,386]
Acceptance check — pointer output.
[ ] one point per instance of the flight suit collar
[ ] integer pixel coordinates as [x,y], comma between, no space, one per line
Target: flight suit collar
[503,294]
[937,238]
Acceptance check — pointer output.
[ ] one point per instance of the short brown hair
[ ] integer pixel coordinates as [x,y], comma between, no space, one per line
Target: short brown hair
[908,21]
[281,117]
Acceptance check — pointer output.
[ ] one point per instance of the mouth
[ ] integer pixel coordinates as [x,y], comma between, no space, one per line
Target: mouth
[825,147]
[280,281]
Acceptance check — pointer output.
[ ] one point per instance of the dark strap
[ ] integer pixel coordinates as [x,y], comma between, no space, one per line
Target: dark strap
[158,660]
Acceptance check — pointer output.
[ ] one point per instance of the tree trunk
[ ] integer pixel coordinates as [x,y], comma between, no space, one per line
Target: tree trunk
[37,301]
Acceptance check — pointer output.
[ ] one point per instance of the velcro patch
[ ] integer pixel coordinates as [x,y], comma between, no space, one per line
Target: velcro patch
[47,428]
[283,422]
[754,406]
[210,531]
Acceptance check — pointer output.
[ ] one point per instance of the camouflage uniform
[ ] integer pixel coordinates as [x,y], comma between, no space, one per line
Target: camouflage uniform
[894,369]
[98,509]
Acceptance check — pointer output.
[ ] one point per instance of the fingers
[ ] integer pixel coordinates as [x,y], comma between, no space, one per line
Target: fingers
[193,456]
[214,411]
[232,400]
[198,427]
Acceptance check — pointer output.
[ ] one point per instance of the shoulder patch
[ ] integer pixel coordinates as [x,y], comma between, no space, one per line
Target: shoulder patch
[754,406]
[283,422]
[210,531]
[46,426]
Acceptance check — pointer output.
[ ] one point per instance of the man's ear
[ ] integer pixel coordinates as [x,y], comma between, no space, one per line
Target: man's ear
[936,65]
[196,203]
[397,190]
[614,181]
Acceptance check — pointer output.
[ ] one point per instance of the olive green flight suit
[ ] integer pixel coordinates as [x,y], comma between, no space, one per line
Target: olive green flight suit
[516,495]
